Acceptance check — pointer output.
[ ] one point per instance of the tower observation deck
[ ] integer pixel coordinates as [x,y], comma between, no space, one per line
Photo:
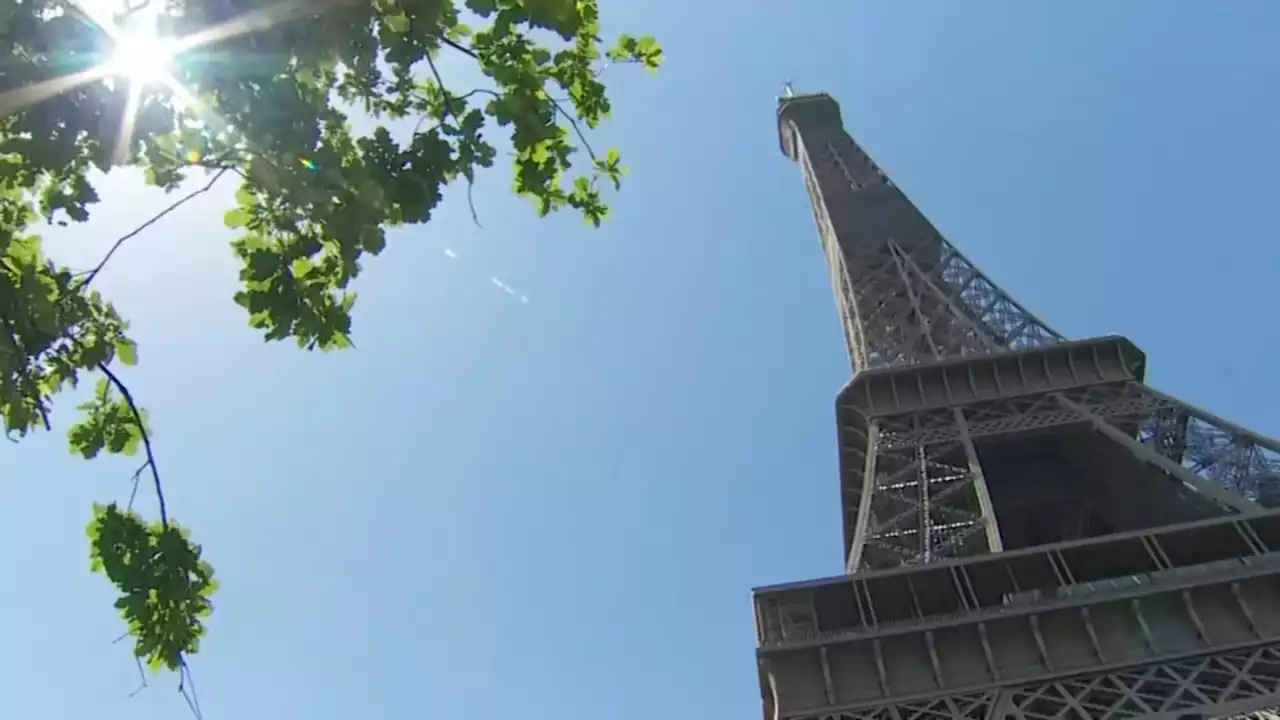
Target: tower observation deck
[1030,531]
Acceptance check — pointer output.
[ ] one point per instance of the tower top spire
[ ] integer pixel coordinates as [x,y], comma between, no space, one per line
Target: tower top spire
[811,111]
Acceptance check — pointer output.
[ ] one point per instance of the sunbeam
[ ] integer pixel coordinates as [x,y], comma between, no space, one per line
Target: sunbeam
[140,55]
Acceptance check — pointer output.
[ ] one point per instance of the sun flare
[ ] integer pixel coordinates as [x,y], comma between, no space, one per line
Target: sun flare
[140,54]
[137,54]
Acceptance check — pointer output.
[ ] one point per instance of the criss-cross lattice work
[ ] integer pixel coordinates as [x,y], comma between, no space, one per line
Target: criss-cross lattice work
[1235,684]
[1213,449]
[905,294]
[927,480]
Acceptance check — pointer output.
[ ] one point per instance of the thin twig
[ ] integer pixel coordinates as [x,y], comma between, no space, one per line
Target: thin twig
[136,480]
[572,121]
[142,677]
[460,48]
[187,687]
[555,104]
[418,125]
[146,441]
[611,63]
[471,186]
[449,112]
[89,277]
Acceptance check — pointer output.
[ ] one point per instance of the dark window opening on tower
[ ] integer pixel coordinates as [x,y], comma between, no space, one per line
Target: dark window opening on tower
[1071,483]
[1038,497]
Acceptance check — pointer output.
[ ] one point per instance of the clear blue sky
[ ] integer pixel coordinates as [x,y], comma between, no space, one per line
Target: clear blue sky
[556,510]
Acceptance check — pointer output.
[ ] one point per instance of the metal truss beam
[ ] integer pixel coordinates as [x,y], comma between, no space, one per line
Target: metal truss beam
[1089,627]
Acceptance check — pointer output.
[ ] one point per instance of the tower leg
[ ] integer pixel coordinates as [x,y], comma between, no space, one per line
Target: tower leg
[922,501]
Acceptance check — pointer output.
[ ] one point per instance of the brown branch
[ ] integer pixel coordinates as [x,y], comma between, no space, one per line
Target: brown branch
[622,61]
[186,683]
[577,129]
[142,676]
[91,274]
[146,441]
[449,112]
[573,122]
[417,127]
[136,480]
[555,104]
[187,687]
[460,48]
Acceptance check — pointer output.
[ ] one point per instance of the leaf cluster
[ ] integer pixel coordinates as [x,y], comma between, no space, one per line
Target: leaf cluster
[165,586]
[108,423]
[50,330]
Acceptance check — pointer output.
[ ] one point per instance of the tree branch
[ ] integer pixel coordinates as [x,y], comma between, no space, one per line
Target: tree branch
[610,64]
[573,122]
[577,130]
[146,441]
[460,48]
[186,683]
[91,274]
[136,480]
[142,676]
[449,112]
[187,687]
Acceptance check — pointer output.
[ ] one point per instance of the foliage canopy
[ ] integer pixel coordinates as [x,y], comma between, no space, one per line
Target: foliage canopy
[256,90]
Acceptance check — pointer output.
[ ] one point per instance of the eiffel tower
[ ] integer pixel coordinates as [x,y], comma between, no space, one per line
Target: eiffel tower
[1030,530]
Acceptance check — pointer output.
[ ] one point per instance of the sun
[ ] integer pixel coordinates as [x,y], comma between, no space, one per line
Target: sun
[140,54]
[141,59]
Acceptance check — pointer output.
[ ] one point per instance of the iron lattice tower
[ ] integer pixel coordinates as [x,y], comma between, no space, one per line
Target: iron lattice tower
[1030,531]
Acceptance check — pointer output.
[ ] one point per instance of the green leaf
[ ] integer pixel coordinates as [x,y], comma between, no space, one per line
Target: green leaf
[127,351]
[649,52]
[236,219]
[85,440]
[398,23]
